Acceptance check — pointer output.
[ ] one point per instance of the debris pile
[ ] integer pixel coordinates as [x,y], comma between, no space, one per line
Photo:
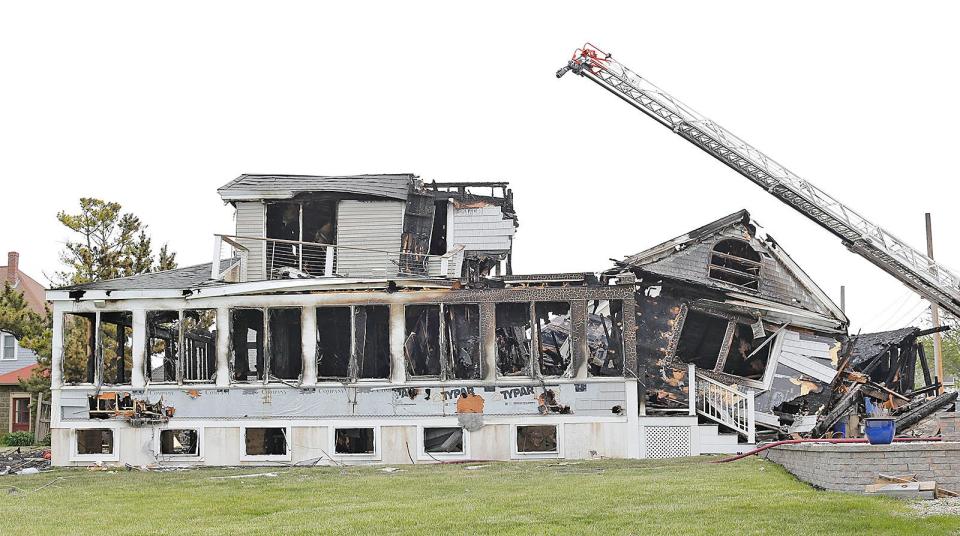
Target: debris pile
[908,487]
[24,462]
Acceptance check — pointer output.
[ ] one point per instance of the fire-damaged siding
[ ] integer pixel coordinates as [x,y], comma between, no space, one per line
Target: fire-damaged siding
[250,222]
[370,225]
[479,229]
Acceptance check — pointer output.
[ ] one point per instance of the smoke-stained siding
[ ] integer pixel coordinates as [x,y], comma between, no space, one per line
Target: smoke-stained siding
[372,225]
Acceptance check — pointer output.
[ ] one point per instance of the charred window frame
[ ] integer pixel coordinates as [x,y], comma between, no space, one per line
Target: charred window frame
[179,443]
[701,339]
[199,345]
[750,354]
[735,262]
[310,220]
[514,338]
[605,355]
[272,340]
[461,335]
[79,356]
[163,346]
[334,342]
[181,346]
[422,342]
[371,342]
[116,347]
[442,341]
[554,349]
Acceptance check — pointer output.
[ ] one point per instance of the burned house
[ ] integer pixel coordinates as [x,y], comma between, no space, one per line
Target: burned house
[377,319]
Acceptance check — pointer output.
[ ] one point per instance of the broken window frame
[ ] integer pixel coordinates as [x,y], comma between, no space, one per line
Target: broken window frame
[297,356]
[211,347]
[346,376]
[528,370]
[123,351]
[735,266]
[423,454]
[355,352]
[732,321]
[317,263]
[613,334]
[268,377]
[92,344]
[180,355]
[537,339]
[287,439]
[449,338]
[434,338]
[76,455]
[96,367]
[515,441]
[148,349]
[198,435]
[373,455]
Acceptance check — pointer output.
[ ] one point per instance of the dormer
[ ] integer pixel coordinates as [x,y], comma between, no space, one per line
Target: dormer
[364,226]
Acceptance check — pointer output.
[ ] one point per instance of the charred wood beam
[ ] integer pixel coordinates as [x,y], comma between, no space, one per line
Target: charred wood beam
[838,411]
[931,331]
[922,356]
[908,420]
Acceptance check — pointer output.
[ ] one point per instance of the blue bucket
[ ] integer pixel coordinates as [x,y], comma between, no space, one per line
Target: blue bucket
[880,430]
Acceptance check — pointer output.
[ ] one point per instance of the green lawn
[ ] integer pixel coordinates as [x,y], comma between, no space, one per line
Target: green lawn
[686,496]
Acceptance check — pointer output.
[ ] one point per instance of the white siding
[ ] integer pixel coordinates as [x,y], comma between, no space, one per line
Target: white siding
[479,229]
[372,225]
[807,356]
[250,218]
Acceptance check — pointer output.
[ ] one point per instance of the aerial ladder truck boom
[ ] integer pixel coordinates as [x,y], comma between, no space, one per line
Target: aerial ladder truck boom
[914,269]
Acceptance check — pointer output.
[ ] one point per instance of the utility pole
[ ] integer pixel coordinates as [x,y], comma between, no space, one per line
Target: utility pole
[935,314]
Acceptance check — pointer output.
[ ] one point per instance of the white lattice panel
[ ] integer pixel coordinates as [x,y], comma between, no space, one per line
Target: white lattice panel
[668,441]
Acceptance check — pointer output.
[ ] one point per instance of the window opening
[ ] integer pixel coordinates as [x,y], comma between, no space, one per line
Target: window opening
[553,330]
[513,338]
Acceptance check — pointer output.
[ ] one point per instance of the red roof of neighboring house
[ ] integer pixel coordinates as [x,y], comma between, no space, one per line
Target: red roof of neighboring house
[13,377]
[33,292]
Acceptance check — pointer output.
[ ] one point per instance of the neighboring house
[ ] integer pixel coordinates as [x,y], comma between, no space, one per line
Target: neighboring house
[376,319]
[17,363]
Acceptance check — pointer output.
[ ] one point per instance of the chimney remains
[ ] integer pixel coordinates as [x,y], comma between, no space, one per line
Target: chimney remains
[13,267]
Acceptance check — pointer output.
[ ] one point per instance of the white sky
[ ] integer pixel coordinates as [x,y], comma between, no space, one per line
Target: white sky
[157,105]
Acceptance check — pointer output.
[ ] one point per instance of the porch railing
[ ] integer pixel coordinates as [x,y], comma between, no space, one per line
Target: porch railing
[293,259]
[724,404]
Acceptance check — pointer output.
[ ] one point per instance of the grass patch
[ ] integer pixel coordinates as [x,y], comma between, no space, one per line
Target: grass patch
[685,496]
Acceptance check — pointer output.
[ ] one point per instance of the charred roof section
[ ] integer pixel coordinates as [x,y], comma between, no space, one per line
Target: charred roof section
[276,187]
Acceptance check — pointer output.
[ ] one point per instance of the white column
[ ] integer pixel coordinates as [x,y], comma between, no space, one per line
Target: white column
[398,332]
[308,325]
[137,380]
[632,407]
[56,359]
[223,347]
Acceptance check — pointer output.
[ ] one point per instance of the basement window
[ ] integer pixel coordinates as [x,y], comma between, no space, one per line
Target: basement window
[372,341]
[94,441]
[333,342]
[513,338]
[701,338]
[79,342]
[285,343]
[735,262]
[605,338]
[163,341]
[421,347]
[180,442]
[538,439]
[247,345]
[116,346]
[265,441]
[553,330]
[443,440]
[354,441]
[746,357]
[199,344]
[462,330]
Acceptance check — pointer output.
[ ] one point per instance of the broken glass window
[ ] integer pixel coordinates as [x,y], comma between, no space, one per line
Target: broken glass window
[94,441]
[421,347]
[333,342]
[734,261]
[116,346]
[354,441]
[79,342]
[372,341]
[744,358]
[605,338]
[463,340]
[246,334]
[199,344]
[536,439]
[266,441]
[285,343]
[443,440]
[163,341]
[553,330]
[179,442]
[701,338]
[513,338]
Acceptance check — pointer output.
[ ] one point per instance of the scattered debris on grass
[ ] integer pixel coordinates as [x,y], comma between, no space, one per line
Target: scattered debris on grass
[24,462]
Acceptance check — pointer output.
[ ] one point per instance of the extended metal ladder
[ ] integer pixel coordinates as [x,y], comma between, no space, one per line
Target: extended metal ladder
[894,256]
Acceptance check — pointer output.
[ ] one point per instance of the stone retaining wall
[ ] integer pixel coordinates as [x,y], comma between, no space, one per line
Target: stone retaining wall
[851,467]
